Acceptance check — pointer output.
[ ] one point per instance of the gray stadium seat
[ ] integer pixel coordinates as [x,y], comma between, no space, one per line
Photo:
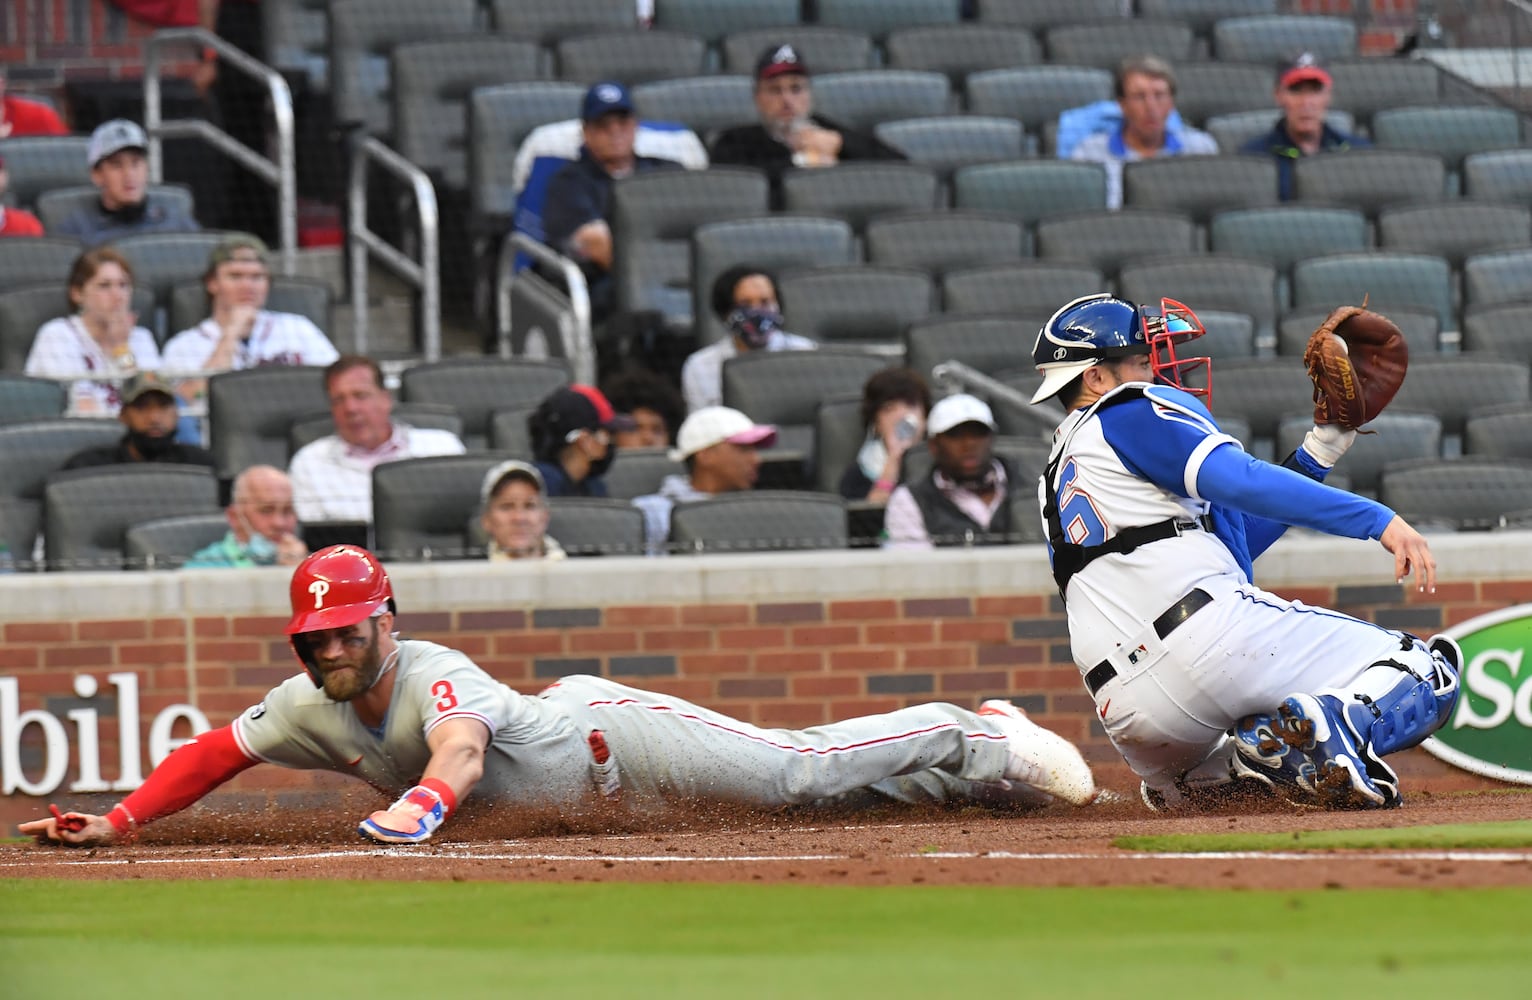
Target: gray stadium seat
[1205,89]
[822,49]
[363,33]
[1454,229]
[1010,418]
[1260,391]
[960,49]
[1498,277]
[476,386]
[941,241]
[1286,234]
[431,83]
[1370,179]
[1038,14]
[499,118]
[1272,38]
[1451,133]
[167,542]
[1366,86]
[703,104]
[630,56]
[163,260]
[713,19]
[1203,14]
[879,17]
[87,512]
[864,98]
[310,298]
[1232,129]
[57,204]
[859,191]
[250,412]
[1454,385]
[1504,329]
[1420,327]
[1211,281]
[1504,430]
[596,526]
[653,218]
[508,431]
[37,260]
[545,23]
[295,33]
[1034,95]
[22,311]
[946,142]
[1107,43]
[1473,492]
[421,506]
[1028,287]
[1031,190]
[1384,279]
[640,471]
[986,343]
[38,163]
[757,521]
[1399,434]
[773,242]
[435,416]
[1228,334]
[23,398]
[838,436]
[1199,186]
[30,452]
[1499,175]
[785,388]
[856,303]
[1107,240]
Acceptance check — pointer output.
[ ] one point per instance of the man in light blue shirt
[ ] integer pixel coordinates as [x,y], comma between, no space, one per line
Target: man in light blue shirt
[262,525]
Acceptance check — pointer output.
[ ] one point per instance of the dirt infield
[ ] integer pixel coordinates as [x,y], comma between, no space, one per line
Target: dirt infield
[1053,846]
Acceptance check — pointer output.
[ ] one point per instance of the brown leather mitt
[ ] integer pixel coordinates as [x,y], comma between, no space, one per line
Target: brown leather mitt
[1357,360]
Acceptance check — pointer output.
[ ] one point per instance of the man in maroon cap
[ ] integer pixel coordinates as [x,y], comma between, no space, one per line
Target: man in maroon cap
[1303,94]
[789,134]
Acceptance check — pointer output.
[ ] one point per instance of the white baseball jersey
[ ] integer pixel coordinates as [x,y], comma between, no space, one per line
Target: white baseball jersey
[65,347]
[275,339]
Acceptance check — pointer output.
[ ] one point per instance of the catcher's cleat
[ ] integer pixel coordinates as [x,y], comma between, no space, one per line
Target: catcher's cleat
[1345,773]
[1041,758]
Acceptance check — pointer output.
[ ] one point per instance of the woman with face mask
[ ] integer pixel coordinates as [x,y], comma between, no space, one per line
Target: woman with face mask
[571,435]
[894,406]
[100,341]
[744,299]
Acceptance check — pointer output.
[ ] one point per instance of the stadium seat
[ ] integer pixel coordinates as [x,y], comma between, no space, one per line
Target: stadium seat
[985,343]
[31,450]
[1228,334]
[310,298]
[1366,86]
[1207,281]
[1031,190]
[1398,435]
[295,33]
[703,104]
[879,17]
[1027,287]
[1198,186]
[1420,327]
[1034,95]
[960,49]
[1232,129]
[250,412]
[57,204]
[363,33]
[838,436]
[310,427]
[860,191]
[1203,14]
[1454,229]
[38,163]
[630,56]
[942,241]
[1271,38]
[1206,89]
[1107,240]
[22,311]
[714,19]
[1013,417]
[24,398]
[1453,386]
[856,304]
[87,512]
[596,526]
[546,23]
[758,521]
[1504,429]
[1501,276]
[1105,44]
[499,118]
[1260,391]
[421,506]
[640,471]
[1504,329]
[1499,175]
[1451,133]
[163,260]
[508,432]
[1286,234]
[947,142]
[785,388]
[1035,15]
[38,260]
[863,99]
[1385,279]
[1473,492]
[476,386]
[167,542]
[822,49]
[1370,179]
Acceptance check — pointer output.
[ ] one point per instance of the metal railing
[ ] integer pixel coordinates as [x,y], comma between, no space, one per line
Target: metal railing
[363,244]
[956,375]
[578,345]
[280,173]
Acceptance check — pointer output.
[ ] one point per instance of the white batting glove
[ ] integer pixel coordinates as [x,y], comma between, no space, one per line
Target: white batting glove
[411,820]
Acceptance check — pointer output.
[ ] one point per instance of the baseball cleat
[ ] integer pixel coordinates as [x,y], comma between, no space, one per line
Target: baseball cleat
[1039,757]
[1345,775]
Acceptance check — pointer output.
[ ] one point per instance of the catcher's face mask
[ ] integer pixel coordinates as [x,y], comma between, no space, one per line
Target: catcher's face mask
[1166,329]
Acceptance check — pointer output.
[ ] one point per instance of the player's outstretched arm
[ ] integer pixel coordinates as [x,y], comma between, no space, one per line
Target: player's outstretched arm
[457,763]
[70,829]
[1411,554]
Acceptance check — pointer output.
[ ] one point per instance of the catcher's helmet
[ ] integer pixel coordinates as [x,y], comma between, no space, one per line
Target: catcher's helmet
[1102,327]
[335,587]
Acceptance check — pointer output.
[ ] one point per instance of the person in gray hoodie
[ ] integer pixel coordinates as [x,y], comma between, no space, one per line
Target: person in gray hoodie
[719,446]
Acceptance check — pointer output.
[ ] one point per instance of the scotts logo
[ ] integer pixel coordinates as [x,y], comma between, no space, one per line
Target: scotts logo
[319,588]
[1490,732]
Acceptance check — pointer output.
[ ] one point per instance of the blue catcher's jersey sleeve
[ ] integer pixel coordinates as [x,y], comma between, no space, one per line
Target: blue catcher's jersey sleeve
[1237,480]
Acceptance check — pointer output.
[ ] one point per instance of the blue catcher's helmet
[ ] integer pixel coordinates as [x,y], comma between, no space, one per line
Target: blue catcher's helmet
[1102,327]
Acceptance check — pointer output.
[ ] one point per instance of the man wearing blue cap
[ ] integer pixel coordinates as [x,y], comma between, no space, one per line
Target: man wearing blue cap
[575,219]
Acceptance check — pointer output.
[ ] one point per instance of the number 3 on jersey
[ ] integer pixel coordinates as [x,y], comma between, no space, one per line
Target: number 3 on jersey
[1077,512]
[446,700]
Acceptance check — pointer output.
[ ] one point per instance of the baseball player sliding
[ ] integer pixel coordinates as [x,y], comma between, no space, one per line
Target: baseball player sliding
[1206,683]
[421,721]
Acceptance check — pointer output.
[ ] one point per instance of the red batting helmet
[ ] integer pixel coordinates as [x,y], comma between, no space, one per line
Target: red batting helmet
[336,587]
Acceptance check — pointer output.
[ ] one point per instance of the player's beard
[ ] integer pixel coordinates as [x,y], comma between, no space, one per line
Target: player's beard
[342,684]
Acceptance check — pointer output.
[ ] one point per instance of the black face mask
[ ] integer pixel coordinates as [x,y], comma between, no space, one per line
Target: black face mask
[152,446]
[598,468]
[754,326]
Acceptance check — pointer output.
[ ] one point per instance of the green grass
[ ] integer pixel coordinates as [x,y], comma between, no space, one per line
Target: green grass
[1507,834]
[264,939]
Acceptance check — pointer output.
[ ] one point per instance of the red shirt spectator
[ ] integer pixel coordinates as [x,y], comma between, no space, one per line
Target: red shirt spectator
[14,221]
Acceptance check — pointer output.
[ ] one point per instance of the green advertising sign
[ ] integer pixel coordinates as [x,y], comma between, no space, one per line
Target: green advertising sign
[1490,732]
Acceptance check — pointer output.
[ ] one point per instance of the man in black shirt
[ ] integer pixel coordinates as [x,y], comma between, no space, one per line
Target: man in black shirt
[1303,94]
[789,134]
[149,412]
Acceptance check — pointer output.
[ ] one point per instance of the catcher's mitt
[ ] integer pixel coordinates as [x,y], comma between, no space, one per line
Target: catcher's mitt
[1357,361]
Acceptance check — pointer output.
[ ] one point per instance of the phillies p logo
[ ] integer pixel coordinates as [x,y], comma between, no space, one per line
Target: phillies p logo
[319,588]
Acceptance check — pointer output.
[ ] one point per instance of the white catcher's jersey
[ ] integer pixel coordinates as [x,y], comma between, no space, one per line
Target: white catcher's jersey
[535,758]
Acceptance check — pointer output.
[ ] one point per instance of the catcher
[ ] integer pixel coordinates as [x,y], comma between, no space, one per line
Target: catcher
[1209,686]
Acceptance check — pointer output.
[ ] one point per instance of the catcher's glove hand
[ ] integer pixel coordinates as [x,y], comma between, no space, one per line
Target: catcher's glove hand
[1357,360]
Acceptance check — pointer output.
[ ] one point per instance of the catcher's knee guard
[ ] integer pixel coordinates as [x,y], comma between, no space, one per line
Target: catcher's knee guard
[1414,704]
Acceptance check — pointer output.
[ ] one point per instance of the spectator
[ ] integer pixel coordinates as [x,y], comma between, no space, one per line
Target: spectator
[239,332]
[1145,88]
[1303,94]
[102,338]
[120,170]
[576,212]
[745,299]
[571,435]
[653,404]
[15,221]
[262,524]
[963,500]
[20,117]
[149,412]
[332,477]
[516,514]
[895,402]
[789,134]
[719,447]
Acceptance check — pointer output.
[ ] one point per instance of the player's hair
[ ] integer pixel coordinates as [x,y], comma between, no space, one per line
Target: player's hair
[723,287]
[346,362]
[1145,65]
[893,385]
[88,263]
[633,388]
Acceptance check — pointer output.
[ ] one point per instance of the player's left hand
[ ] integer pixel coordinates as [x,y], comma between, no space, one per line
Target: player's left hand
[70,829]
[411,820]
[1411,554]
